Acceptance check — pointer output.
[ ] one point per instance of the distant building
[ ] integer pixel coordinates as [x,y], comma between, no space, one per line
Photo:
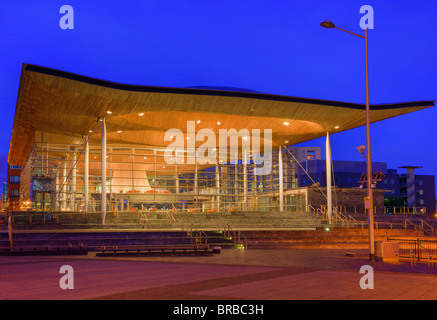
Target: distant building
[415,190]
[13,188]
[410,189]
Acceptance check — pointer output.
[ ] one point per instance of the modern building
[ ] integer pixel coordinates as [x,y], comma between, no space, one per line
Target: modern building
[13,188]
[401,189]
[88,144]
[414,190]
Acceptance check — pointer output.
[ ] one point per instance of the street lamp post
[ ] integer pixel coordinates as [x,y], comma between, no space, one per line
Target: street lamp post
[329,24]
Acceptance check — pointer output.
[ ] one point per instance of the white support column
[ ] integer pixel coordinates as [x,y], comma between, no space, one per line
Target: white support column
[217,187]
[111,174]
[86,174]
[64,185]
[281,181]
[176,177]
[103,172]
[245,179]
[57,190]
[73,183]
[328,177]
[196,187]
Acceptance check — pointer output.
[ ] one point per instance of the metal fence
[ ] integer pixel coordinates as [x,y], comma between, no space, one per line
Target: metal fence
[417,248]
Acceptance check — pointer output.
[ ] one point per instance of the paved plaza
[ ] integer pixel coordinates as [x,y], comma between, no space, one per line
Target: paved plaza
[285,274]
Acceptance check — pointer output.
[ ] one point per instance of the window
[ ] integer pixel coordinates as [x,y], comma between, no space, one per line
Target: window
[14,193]
[14,167]
[420,191]
[14,179]
[421,201]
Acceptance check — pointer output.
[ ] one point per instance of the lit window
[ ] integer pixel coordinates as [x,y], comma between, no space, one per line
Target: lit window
[14,179]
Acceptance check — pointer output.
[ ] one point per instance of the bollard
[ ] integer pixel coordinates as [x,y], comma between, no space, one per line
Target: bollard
[430,260]
[412,259]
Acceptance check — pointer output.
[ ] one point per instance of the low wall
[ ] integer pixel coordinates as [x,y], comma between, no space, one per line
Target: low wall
[352,199]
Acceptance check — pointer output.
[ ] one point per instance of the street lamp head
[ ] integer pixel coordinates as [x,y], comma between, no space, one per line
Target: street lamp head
[327,24]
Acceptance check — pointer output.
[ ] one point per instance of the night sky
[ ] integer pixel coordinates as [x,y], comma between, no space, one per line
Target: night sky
[275,47]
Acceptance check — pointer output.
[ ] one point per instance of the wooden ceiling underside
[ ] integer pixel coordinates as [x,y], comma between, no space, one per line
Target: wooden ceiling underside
[66,107]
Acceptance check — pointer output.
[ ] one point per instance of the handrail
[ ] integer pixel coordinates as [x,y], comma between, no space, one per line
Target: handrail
[197,234]
[170,216]
[143,218]
[239,235]
[406,224]
[430,226]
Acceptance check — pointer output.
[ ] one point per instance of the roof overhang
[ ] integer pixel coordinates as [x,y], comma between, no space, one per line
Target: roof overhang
[65,107]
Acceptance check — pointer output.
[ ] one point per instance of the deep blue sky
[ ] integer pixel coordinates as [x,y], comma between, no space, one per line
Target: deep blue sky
[269,46]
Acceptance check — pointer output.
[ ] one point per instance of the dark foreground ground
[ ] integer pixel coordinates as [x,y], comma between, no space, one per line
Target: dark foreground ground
[282,274]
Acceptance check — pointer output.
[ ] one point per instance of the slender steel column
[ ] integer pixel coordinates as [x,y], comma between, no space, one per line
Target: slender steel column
[245,179]
[328,177]
[217,187]
[73,183]
[86,174]
[281,180]
[64,185]
[103,173]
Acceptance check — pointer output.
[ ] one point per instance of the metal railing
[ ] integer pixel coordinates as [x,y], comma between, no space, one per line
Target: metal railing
[340,219]
[198,238]
[237,236]
[417,249]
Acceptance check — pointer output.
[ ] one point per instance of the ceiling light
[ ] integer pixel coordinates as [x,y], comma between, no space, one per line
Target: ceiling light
[198,121]
[286,123]
[218,123]
[336,127]
[109,112]
[145,158]
[141,114]
[90,131]
[119,131]
[286,141]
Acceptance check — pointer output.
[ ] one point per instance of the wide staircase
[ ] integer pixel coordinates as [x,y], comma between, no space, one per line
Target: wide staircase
[170,242]
[253,230]
[167,220]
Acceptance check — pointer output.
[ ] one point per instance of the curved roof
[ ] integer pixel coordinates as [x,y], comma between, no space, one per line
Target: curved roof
[65,106]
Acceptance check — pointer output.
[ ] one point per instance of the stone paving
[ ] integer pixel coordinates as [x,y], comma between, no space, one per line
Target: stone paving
[281,274]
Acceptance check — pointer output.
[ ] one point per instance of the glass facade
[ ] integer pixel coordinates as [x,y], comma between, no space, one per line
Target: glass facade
[142,178]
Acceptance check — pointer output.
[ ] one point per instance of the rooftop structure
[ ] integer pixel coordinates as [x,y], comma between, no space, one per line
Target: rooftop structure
[73,132]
